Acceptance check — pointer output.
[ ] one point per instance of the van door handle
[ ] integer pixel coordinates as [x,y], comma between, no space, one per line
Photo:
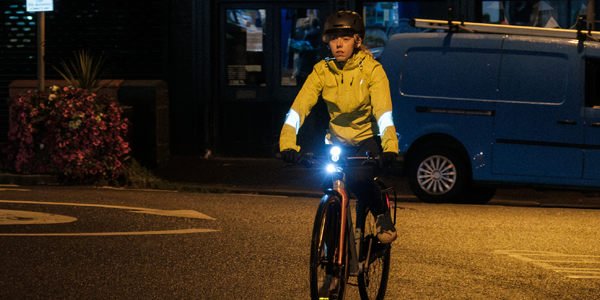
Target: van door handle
[594,124]
[566,122]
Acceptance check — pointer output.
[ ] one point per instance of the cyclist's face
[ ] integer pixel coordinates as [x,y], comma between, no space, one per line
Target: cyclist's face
[342,46]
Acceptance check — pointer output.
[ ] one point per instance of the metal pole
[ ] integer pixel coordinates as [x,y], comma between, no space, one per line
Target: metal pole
[41,40]
[590,15]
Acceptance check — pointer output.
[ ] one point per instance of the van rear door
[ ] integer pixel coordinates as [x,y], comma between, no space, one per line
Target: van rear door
[591,168]
[539,128]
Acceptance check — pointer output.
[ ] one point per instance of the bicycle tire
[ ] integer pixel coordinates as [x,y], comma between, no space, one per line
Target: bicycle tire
[372,283]
[325,251]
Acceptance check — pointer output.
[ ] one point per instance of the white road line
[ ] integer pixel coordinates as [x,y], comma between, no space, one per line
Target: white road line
[20,217]
[173,213]
[14,216]
[178,231]
[551,261]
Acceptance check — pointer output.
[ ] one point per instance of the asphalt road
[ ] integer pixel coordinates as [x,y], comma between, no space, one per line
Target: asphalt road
[162,245]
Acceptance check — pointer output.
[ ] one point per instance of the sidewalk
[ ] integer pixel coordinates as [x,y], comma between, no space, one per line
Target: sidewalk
[253,175]
[271,177]
[242,175]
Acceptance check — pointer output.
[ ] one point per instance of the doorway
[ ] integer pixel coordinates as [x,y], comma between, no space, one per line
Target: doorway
[266,51]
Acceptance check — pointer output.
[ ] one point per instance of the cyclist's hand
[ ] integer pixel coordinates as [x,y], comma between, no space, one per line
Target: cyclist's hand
[388,158]
[290,156]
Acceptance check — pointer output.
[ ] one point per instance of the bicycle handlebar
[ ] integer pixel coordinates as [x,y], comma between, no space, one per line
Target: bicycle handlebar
[311,158]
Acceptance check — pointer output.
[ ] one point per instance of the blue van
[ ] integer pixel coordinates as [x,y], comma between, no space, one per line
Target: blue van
[475,111]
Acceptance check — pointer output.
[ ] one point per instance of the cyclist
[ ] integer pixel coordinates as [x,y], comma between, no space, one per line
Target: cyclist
[356,90]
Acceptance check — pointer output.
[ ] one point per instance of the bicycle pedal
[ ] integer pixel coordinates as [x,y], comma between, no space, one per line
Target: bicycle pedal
[379,252]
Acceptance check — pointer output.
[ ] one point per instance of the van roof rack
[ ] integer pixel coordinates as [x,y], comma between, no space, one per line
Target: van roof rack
[455,26]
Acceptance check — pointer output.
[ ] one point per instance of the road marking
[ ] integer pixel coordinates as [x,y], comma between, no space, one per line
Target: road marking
[14,217]
[177,231]
[172,213]
[589,264]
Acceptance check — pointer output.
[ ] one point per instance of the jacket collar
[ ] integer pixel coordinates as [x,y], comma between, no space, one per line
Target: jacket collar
[351,63]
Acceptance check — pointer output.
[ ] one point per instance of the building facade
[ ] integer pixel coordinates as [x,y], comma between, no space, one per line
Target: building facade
[233,67]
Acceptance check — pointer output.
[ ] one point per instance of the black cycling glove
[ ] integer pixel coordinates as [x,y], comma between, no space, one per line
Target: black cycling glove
[289,156]
[389,158]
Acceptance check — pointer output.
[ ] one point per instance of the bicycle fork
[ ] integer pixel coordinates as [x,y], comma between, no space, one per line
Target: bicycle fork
[354,267]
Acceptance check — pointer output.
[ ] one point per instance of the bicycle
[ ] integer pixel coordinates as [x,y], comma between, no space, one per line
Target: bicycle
[336,254]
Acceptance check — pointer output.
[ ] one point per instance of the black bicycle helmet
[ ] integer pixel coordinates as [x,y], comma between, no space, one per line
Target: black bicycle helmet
[345,22]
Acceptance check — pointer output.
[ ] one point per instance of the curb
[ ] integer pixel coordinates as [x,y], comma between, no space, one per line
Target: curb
[213,189]
[28,179]
[271,192]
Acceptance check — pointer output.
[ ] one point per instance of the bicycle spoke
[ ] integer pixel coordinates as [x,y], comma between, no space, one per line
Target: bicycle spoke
[373,281]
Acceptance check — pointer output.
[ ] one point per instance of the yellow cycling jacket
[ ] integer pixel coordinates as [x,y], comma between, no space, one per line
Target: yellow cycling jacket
[358,100]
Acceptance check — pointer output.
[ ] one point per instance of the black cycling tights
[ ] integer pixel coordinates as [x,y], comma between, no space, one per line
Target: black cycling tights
[360,178]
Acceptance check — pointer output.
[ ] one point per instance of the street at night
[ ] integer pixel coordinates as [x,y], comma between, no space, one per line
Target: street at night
[180,149]
[123,244]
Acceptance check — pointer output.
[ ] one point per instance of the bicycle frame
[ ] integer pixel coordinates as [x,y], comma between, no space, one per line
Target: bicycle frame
[355,267]
[347,249]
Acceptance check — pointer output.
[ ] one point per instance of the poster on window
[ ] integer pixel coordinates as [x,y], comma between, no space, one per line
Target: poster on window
[254,39]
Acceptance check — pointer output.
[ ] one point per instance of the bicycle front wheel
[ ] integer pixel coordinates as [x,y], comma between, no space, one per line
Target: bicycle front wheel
[372,283]
[327,277]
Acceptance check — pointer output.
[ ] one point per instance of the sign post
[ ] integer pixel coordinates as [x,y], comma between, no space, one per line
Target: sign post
[40,6]
[591,18]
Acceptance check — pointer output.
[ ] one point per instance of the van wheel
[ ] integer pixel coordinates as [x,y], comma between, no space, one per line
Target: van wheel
[438,175]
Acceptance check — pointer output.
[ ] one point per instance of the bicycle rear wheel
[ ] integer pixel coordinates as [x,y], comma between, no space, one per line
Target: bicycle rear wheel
[372,283]
[328,278]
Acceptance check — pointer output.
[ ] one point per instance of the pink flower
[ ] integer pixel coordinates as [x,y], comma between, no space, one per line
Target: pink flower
[94,146]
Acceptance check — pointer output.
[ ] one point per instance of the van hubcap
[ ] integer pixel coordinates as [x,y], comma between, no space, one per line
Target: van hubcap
[436,175]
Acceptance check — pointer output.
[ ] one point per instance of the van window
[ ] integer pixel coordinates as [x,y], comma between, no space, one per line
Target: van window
[592,83]
[450,73]
[534,77]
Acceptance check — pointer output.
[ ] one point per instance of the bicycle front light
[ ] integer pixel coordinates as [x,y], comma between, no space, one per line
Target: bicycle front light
[335,153]
[331,168]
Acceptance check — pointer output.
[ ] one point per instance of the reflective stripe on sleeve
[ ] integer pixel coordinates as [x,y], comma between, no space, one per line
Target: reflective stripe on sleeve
[293,119]
[384,122]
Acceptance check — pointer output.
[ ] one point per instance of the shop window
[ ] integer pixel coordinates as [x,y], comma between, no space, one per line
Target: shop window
[383,19]
[244,43]
[19,25]
[301,44]
[548,14]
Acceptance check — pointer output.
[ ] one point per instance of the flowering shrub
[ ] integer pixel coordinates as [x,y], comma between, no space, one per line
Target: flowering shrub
[67,131]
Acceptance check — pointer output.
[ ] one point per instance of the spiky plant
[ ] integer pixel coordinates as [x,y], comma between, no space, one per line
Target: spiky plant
[86,71]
